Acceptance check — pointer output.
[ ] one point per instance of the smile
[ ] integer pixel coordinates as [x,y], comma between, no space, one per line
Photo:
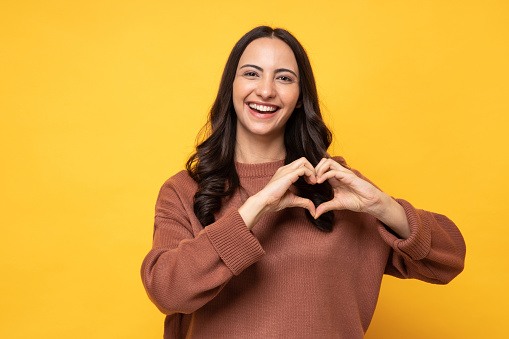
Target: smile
[263,108]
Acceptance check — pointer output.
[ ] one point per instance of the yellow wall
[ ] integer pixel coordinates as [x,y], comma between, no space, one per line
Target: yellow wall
[100,102]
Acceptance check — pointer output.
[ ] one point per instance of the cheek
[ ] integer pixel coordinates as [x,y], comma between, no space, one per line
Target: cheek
[291,96]
[235,89]
[236,96]
[240,91]
[238,106]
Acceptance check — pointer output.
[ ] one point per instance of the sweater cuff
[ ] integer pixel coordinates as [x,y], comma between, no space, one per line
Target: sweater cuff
[235,244]
[418,245]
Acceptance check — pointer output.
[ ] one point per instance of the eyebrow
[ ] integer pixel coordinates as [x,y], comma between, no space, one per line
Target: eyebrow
[279,70]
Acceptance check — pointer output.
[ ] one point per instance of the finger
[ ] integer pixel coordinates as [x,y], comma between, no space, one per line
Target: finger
[304,203]
[320,163]
[326,207]
[307,173]
[326,165]
[290,175]
[330,175]
[310,176]
[309,180]
[300,162]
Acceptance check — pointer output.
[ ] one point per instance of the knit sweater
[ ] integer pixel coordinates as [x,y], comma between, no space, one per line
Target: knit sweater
[284,278]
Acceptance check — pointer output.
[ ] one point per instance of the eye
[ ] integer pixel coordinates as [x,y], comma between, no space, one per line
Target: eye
[285,78]
[250,74]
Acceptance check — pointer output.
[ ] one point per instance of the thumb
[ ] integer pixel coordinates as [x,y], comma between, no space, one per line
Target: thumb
[324,208]
[304,203]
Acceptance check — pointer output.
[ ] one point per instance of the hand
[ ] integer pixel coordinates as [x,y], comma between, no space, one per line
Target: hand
[276,195]
[350,192]
[355,194]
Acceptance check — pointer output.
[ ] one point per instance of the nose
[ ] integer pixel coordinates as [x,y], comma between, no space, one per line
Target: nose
[266,88]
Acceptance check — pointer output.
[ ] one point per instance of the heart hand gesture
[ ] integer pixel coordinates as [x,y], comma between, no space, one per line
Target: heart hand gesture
[350,193]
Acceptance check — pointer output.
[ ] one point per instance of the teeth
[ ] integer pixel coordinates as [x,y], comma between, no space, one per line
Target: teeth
[263,108]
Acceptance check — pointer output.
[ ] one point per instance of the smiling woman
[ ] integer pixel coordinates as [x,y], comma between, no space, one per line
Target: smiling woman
[265,93]
[267,236]
[213,166]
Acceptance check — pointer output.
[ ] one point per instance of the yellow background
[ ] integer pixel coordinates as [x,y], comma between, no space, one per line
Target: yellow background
[100,103]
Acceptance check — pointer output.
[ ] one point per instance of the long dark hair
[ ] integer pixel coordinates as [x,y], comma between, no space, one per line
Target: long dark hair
[212,166]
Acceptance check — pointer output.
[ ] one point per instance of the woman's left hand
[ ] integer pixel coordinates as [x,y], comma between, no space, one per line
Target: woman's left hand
[355,194]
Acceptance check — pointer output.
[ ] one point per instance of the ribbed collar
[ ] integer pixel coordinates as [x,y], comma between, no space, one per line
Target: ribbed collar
[266,169]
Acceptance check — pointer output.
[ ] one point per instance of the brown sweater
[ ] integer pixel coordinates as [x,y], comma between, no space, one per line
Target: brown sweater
[286,278]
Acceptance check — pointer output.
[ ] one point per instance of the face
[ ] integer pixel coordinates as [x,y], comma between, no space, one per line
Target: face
[265,89]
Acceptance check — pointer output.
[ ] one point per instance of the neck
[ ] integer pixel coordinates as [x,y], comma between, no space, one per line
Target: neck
[259,150]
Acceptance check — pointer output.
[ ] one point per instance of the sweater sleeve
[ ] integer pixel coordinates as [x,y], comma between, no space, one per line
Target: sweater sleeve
[434,252]
[184,271]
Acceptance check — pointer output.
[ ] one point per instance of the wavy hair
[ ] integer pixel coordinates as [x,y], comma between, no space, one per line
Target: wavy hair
[212,166]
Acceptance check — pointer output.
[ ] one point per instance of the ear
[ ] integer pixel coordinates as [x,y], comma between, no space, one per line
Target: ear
[299,104]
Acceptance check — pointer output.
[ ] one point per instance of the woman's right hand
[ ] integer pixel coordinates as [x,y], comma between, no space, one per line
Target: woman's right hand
[276,195]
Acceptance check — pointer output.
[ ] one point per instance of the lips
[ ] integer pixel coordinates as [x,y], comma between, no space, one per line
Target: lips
[262,110]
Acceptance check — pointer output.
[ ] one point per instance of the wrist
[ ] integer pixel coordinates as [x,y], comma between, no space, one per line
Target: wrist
[252,210]
[393,215]
[381,210]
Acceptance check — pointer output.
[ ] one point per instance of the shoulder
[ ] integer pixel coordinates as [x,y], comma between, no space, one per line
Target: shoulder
[177,190]
[181,181]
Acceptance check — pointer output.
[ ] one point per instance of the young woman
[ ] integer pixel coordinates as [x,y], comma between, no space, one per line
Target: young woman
[265,235]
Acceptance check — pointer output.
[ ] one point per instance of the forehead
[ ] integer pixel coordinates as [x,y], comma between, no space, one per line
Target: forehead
[268,53]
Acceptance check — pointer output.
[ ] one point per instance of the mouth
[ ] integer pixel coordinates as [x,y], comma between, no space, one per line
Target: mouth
[263,108]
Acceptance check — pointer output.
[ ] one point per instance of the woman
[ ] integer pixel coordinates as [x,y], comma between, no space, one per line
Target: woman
[265,235]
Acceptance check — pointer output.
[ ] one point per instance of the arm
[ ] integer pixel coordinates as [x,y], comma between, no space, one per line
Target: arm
[426,246]
[355,193]
[434,252]
[183,272]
